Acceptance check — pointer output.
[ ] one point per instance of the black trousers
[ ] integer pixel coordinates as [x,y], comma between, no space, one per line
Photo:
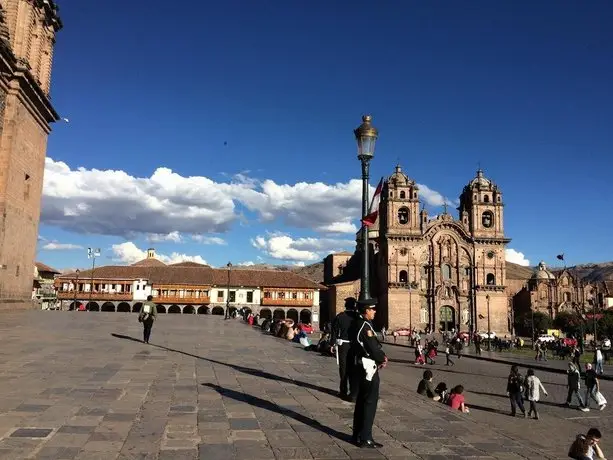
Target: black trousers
[147,325]
[366,405]
[517,400]
[346,364]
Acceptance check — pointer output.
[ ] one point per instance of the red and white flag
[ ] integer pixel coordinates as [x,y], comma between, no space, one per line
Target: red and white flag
[373,211]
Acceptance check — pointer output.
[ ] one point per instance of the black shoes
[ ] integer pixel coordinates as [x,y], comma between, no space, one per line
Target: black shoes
[369,444]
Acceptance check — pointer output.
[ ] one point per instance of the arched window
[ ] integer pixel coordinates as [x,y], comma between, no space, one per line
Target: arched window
[467,271]
[404,252]
[490,279]
[486,198]
[446,271]
[567,297]
[402,195]
[403,216]
[403,276]
[487,219]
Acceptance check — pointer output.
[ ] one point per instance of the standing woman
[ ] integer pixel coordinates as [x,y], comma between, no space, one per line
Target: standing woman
[147,315]
[515,388]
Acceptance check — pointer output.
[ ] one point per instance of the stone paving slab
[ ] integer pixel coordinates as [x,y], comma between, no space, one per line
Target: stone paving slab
[80,385]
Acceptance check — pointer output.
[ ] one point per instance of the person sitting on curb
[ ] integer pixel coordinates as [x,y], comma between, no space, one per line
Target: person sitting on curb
[425,387]
[456,399]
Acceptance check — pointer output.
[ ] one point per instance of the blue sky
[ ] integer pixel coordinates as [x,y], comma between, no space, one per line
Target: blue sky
[223,130]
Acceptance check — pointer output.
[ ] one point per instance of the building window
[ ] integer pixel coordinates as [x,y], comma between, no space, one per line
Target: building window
[250,297]
[490,279]
[280,295]
[219,295]
[267,295]
[403,216]
[294,295]
[567,297]
[467,271]
[232,297]
[403,276]
[487,219]
[404,252]
[446,271]
[402,195]
[486,198]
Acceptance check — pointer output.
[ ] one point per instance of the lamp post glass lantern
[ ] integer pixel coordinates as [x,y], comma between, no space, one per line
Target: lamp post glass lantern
[489,328]
[365,135]
[92,253]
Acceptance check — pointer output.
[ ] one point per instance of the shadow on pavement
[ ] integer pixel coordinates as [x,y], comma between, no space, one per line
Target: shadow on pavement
[244,369]
[487,409]
[497,395]
[268,405]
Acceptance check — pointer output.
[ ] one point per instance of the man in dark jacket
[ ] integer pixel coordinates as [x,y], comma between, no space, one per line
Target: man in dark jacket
[147,315]
[341,326]
[369,359]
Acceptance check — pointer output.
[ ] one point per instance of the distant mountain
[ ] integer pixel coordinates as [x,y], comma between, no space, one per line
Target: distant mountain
[591,272]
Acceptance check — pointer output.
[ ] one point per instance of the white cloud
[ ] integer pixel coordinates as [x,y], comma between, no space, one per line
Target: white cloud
[129,253]
[511,255]
[248,263]
[284,247]
[166,204]
[55,246]
[209,240]
[174,237]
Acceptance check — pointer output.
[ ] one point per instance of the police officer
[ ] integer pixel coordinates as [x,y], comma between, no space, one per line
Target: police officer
[369,359]
[341,326]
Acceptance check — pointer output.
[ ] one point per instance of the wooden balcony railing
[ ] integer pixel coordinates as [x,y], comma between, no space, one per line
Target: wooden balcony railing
[287,302]
[70,295]
[187,300]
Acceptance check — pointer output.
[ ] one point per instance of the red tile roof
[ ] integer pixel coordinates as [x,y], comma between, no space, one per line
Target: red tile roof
[200,275]
[41,267]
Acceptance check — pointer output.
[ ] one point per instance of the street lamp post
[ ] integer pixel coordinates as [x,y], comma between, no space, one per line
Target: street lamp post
[489,329]
[229,265]
[76,287]
[366,135]
[92,254]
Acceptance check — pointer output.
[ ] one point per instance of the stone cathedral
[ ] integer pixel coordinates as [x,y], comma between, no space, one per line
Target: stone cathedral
[437,273]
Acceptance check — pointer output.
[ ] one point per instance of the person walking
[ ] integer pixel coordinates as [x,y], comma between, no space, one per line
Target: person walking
[533,392]
[592,388]
[572,378]
[598,360]
[515,389]
[341,327]
[369,359]
[448,356]
[147,315]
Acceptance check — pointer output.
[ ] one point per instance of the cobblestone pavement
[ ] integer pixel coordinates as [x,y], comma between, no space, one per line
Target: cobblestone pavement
[78,385]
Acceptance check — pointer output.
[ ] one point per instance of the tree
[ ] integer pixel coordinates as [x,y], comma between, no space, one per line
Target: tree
[568,322]
[542,322]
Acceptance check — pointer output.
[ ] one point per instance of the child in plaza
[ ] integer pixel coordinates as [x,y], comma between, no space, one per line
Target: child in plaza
[586,447]
[425,387]
[456,399]
[533,389]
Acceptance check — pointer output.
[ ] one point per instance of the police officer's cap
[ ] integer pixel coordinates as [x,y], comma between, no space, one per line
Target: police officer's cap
[367,304]
[350,303]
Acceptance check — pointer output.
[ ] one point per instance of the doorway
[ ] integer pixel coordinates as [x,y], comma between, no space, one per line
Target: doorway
[447,318]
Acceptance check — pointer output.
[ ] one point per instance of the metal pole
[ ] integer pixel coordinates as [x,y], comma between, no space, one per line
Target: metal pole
[410,310]
[76,287]
[228,294]
[489,329]
[91,287]
[364,278]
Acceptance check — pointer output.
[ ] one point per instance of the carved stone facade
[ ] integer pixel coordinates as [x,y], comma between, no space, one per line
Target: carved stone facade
[442,273]
[562,292]
[27,35]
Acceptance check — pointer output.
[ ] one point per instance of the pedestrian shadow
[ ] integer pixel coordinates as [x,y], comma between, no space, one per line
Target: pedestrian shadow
[486,409]
[272,407]
[497,395]
[243,369]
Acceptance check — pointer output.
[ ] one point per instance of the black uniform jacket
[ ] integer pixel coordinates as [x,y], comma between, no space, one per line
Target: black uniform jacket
[365,343]
[342,324]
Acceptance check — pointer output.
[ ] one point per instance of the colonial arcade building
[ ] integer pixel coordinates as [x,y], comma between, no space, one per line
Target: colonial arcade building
[192,288]
[437,273]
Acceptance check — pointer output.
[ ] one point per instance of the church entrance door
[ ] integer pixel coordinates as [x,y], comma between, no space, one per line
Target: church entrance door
[447,318]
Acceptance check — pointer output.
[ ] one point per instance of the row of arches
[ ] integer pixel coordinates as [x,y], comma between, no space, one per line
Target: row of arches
[304,316]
